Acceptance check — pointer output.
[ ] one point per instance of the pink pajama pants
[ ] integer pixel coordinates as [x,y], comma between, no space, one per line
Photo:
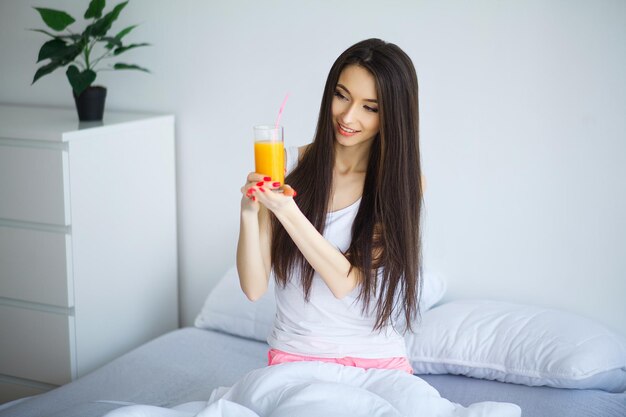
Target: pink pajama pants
[276,356]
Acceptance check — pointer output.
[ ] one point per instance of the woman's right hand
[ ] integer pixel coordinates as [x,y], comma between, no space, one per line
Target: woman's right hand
[249,203]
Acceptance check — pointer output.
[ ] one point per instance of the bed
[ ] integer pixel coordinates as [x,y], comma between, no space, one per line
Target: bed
[191,362]
[227,342]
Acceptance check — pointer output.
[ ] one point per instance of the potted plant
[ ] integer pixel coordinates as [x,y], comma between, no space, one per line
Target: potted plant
[83,52]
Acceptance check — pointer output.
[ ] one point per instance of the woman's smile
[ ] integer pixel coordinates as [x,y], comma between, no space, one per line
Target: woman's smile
[345,131]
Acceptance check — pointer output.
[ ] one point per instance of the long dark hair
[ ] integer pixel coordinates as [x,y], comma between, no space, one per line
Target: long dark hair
[386,230]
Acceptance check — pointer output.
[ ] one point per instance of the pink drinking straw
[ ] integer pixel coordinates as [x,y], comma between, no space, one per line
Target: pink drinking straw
[280,112]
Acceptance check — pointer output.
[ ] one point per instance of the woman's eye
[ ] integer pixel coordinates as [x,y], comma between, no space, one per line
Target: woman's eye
[373,110]
[341,96]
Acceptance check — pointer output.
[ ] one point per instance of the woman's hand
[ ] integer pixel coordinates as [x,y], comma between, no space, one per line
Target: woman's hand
[249,202]
[260,189]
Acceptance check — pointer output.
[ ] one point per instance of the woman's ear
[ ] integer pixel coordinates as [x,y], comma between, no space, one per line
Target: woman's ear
[423,183]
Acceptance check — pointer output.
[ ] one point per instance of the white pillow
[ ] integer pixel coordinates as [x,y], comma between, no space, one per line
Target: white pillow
[434,287]
[520,344]
[228,310]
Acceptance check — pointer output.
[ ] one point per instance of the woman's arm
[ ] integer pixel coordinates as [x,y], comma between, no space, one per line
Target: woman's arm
[327,260]
[253,246]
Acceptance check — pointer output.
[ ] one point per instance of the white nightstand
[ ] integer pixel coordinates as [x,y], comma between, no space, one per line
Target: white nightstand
[88,254]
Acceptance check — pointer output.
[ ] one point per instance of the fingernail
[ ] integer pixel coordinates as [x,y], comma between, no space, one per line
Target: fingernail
[253,198]
[261,189]
[260,183]
[295,193]
[267,178]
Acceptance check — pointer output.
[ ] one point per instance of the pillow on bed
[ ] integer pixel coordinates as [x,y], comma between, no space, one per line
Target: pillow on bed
[228,310]
[520,344]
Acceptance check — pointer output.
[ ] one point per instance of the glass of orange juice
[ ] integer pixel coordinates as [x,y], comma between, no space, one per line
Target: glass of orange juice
[269,152]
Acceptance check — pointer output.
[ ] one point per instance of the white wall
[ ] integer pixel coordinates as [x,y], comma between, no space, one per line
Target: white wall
[522,112]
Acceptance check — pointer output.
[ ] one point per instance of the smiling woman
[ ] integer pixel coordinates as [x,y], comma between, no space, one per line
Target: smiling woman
[356,116]
[345,251]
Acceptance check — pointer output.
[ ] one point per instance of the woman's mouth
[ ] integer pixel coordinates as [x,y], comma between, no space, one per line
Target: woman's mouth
[345,131]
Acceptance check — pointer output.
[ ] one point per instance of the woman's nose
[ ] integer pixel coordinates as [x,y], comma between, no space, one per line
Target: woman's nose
[348,114]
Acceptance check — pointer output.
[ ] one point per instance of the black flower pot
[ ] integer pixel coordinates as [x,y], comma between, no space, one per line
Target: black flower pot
[90,104]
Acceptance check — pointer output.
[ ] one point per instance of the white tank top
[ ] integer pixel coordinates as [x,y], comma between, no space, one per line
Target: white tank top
[326,326]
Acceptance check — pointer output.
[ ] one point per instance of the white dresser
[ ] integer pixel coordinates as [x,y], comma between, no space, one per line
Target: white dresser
[88,253]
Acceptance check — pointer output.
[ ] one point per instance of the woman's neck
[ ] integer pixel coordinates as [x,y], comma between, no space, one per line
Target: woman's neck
[351,159]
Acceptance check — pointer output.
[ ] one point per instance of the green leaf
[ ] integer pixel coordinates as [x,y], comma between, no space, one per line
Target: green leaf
[80,80]
[125,32]
[101,26]
[116,41]
[47,33]
[55,19]
[95,9]
[68,53]
[62,56]
[122,66]
[54,48]
[111,41]
[122,49]
[73,37]
[46,69]
[72,51]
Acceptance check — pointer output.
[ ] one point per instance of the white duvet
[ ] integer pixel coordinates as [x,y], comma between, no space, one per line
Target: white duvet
[316,389]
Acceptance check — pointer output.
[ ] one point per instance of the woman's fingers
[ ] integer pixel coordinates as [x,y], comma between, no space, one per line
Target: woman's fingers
[261,188]
[256,182]
[288,191]
[256,177]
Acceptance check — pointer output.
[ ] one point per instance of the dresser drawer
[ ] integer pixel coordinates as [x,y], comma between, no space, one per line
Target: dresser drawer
[32,185]
[36,345]
[34,266]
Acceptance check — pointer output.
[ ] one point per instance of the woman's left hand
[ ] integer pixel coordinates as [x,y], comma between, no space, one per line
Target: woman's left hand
[272,197]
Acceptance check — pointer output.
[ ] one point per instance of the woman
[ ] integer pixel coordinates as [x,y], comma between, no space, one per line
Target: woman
[345,250]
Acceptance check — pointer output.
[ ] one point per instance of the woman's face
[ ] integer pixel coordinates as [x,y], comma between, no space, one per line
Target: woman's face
[355,107]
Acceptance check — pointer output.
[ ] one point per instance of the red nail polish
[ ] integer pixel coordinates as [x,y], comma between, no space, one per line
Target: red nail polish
[253,198]
[295,193]
[267,178]
[261,189]
[260,183]
[276,184]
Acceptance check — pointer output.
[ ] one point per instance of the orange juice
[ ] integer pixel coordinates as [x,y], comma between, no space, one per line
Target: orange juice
[269,159]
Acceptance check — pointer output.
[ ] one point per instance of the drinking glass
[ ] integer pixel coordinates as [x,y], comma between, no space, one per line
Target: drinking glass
[269,152]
